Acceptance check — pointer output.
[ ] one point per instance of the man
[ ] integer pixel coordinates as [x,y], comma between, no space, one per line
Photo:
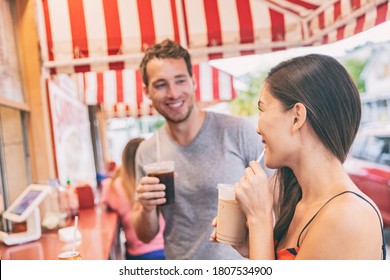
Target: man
[208,148]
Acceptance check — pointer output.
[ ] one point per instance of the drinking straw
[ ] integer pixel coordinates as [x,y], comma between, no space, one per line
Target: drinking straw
[76,220]
[260,156]
[158,146]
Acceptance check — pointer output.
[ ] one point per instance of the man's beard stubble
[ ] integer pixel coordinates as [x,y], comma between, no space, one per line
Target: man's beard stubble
[190,108]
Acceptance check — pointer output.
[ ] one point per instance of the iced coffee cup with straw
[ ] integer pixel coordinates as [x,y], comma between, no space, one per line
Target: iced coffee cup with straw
[164,170]
[231,226]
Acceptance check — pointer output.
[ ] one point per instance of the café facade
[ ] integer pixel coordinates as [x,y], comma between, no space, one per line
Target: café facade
[68,65]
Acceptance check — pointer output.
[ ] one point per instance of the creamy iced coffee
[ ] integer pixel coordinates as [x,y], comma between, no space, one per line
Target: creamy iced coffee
[231,221]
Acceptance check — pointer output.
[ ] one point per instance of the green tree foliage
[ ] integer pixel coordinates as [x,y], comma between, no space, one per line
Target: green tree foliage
[245,104]
[355,68]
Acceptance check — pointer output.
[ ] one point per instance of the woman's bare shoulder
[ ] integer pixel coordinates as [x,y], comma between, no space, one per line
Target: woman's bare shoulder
[348,227]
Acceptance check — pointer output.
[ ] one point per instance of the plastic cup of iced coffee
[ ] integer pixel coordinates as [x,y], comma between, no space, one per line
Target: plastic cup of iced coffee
[231,220]
[69,255]
[164,171]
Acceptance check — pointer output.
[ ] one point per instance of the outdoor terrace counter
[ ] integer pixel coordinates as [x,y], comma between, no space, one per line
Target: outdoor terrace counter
[99,229]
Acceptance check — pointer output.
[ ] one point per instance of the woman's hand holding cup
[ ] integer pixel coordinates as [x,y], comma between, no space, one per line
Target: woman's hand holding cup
[253,192]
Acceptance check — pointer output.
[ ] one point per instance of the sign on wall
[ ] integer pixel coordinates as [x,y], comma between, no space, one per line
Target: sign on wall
[72,137]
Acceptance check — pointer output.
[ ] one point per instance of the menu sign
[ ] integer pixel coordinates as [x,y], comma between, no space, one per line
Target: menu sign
[72,137]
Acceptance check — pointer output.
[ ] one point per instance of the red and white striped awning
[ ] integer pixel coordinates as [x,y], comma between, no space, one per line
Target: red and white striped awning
[99,35]
[105,39]
[120,91]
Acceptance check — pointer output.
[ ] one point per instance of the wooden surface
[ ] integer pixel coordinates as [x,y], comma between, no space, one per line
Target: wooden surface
[39,130]
[99,239]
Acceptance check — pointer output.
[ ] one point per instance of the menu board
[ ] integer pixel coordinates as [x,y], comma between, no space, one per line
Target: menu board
[10,81]
[72,137]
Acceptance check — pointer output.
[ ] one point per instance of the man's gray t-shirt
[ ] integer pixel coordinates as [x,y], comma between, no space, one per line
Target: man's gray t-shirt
[219,153]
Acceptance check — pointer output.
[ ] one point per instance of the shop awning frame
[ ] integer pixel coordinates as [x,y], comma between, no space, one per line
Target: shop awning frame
[102,41]
[305,23]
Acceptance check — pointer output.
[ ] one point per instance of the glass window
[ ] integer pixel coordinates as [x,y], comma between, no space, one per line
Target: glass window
[15,170]
[373,148]
[357,147]
[10,81]
[384,157]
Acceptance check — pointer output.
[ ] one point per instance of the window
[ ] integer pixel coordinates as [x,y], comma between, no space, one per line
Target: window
[10,82]
[14,156]
[372,147]
[15,171]
[357,147]
[384,157]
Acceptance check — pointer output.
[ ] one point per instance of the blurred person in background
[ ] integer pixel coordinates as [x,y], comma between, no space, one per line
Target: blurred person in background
[110,170]
[118,195]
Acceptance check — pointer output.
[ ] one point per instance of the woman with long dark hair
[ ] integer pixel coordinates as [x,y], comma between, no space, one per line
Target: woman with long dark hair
[309,115]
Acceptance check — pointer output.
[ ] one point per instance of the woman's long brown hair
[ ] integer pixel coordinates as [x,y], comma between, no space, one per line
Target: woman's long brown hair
[333,106]
[127,169]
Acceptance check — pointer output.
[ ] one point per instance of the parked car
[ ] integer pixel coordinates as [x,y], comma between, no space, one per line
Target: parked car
[368,165]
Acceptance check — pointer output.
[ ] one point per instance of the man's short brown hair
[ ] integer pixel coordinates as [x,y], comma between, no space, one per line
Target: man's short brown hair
[165,49]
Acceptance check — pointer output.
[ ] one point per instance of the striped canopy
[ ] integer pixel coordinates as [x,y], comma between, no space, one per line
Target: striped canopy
[120,91]
[111,35]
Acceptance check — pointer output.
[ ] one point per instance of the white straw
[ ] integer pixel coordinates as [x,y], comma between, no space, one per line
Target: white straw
[260,156]
[158,146]
[76,220]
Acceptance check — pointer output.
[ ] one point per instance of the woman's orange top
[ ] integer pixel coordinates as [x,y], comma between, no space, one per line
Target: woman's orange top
[287,254]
